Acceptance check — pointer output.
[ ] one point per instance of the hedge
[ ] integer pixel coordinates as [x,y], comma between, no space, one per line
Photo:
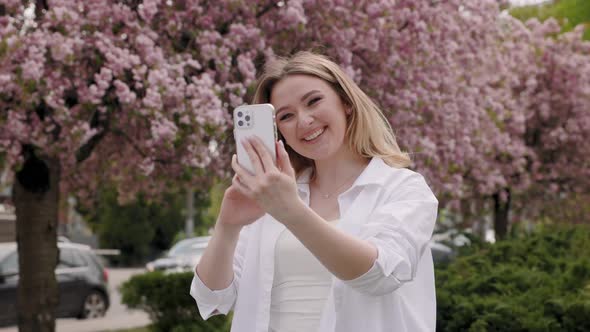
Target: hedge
[166,298]
[537,282]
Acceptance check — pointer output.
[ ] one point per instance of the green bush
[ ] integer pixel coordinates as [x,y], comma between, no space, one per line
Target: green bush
[537,282]
[141,229]
[569,13]
[166,298]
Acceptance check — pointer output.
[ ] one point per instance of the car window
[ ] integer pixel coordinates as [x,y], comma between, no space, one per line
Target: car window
[10,264]
[180,247]
[198,247]
[69,258]
[186,247]
[79,258]
[92,259]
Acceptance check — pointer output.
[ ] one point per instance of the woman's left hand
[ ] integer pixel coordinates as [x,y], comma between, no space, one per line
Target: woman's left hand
[272,186]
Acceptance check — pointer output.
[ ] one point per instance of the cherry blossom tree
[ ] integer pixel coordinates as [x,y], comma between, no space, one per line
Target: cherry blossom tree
[460,81]
[137,94]
[438,70]
[555,93]
[92,93]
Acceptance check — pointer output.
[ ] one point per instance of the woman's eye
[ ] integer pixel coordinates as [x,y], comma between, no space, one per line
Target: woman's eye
[313,101]
[283,117]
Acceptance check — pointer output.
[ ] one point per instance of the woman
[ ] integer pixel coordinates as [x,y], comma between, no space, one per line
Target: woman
[335,236]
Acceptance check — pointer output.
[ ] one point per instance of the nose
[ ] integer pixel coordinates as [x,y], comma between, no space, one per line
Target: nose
[305,119]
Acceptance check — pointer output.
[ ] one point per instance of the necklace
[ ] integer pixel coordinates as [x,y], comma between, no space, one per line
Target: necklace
[326,196]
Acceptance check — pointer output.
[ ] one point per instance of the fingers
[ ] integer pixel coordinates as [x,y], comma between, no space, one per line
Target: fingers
[262,151]
[283,161]
[237,183]
[254,156]
[245,177]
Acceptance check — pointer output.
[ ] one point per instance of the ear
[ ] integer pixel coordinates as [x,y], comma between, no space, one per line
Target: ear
[348,110]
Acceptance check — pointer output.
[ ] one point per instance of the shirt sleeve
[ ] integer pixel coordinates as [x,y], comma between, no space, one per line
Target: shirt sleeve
[217,302]
[400,228]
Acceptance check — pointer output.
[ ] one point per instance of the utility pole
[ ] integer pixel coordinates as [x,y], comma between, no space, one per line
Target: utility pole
[189,226]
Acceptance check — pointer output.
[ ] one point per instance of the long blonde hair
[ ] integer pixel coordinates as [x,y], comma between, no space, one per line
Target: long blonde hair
[368,131]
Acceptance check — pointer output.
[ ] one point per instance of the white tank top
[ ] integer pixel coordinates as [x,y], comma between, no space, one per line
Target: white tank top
[300,287]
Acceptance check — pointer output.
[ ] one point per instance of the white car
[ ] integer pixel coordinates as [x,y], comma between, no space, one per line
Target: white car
[183,256]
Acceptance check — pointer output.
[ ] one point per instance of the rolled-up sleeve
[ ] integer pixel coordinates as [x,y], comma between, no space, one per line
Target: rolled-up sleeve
[400,228]
[217,302]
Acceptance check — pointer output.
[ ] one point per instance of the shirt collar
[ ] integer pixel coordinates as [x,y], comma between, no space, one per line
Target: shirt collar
[373,174]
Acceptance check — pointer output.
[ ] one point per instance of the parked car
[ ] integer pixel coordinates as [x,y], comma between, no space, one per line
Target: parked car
[183,256]
[441,253]
[82,282]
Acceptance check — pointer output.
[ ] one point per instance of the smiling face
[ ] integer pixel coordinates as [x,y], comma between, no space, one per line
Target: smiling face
[311,116]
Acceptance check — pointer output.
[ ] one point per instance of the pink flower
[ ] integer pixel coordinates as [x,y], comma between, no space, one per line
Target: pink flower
[163,130]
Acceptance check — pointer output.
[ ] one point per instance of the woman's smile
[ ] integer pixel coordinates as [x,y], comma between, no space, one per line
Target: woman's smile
[314,136]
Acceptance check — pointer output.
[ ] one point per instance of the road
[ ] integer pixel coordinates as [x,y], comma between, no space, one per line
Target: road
[117,317]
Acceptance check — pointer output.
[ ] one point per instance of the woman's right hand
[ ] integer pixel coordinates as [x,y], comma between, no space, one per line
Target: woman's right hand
[237,210]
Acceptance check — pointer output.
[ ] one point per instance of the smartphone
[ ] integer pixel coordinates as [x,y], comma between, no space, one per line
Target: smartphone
[250,120]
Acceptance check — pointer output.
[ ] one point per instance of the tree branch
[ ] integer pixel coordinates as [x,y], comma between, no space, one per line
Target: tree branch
[266,9]
[94,121]
[86,150]
[404,26]
[40,6]
[136,148]
[224,27]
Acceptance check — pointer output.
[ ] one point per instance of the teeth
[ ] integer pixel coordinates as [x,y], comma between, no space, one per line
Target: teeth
[314,135]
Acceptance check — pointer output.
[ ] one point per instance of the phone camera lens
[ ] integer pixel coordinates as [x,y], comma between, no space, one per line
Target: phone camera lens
[247,118]
[240,114]
[240,123]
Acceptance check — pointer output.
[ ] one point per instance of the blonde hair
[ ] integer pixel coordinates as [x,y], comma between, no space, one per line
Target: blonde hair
[368,131]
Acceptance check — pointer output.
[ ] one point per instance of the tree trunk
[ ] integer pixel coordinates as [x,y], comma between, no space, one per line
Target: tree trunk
[501,209]
[36,197]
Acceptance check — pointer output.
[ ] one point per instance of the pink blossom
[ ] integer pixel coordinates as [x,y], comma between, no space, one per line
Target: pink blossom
[148,9]
[478,99]
[153,99]
[125,95]
[32,70]
[163,130]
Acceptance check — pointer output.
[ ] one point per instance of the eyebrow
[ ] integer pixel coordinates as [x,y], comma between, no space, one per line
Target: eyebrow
[302,99]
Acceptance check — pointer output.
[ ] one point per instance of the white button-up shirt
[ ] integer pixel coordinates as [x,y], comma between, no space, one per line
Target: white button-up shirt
[391,207]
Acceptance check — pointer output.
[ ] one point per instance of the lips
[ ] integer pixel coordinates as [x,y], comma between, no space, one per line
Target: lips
[311,135]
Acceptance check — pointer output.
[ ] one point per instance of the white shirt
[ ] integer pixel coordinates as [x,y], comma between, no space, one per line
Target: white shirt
[392,208]
[300,287]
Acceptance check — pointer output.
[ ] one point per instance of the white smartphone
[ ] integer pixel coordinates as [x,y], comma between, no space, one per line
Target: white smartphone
[250,120]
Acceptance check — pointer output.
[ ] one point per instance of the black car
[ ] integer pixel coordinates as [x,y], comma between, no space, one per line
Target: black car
[82,280]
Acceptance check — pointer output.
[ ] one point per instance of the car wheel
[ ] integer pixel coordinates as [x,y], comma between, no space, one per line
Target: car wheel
[94,306]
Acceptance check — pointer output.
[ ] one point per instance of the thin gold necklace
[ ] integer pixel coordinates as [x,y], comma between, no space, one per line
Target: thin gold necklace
[326,196]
